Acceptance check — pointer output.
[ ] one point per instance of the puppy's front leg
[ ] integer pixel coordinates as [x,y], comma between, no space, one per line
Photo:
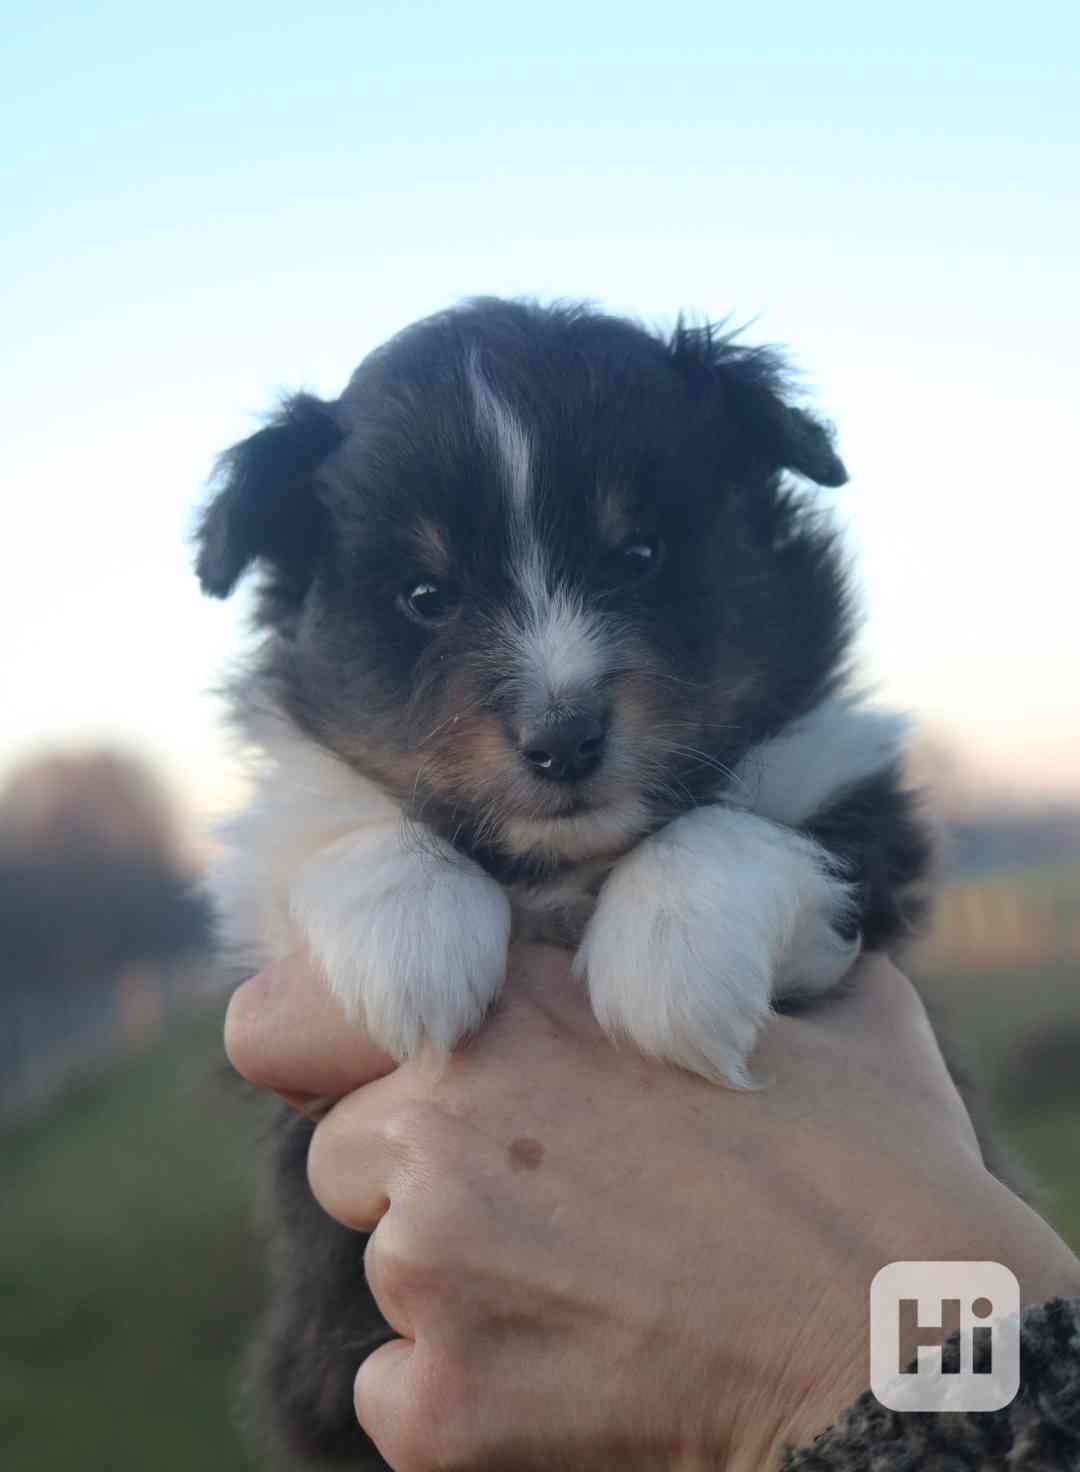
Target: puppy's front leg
[412,936]
[698,929]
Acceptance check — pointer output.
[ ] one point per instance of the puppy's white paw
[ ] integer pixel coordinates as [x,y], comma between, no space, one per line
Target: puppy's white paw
[412,937]
[699,927]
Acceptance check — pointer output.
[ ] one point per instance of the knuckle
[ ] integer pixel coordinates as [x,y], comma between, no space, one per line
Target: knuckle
[397,1263]
[241,1034]
[416,1129]
[330,1147]
[339,1159]
[324,1173]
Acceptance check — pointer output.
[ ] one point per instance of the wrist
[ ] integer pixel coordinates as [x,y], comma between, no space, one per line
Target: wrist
[777,1379]
[826,1366]
[795,1408]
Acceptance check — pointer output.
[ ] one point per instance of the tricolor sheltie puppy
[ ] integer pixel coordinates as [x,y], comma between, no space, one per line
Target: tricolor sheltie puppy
[555,647]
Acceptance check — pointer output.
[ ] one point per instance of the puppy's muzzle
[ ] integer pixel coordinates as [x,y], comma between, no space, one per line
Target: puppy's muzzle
[565,746]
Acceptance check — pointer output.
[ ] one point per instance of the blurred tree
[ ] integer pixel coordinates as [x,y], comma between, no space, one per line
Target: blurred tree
[94,891]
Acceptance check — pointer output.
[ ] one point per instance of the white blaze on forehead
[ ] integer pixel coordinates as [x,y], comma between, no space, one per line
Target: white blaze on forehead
[558,649]
[559,645]
[503,431]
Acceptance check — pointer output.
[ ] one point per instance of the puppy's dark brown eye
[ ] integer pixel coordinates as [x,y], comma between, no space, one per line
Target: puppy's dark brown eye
[428,602]
[640,557]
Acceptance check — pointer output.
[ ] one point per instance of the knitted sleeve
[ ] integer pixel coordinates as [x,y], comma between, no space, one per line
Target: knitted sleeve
[1038,1432]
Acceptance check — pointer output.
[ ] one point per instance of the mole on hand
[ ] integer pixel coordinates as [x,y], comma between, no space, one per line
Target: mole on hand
[525,1154]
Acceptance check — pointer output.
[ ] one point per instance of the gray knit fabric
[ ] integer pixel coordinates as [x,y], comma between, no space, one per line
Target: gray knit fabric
[1039,1432]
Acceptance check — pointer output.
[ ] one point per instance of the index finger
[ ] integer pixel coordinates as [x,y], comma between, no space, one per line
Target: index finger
[285,1031]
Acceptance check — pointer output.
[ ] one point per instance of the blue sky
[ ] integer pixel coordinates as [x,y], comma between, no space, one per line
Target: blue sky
[205,206]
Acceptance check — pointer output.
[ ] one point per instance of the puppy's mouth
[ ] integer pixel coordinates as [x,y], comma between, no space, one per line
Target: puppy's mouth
[577,827]
[570,802]
[574,808]
[558,803]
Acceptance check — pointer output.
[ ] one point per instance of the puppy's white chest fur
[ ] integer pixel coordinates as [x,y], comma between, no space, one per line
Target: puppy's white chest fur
[683,943]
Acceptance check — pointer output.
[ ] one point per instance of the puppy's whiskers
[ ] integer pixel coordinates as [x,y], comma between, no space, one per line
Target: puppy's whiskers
[703,759]
[450,720]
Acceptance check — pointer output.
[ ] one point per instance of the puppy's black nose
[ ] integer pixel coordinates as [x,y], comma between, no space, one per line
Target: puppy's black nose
[564,750]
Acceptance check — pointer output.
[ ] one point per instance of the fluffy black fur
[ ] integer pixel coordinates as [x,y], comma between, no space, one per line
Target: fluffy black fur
[744,625]
[320,1324]
[879,831]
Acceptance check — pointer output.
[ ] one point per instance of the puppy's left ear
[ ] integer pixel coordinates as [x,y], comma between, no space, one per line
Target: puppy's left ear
[761,431]
[267,508]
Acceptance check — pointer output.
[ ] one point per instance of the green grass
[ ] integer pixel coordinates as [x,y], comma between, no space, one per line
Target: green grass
[992,1021]
[987,1020]
[1050,1148]
[986,1016]
[127,1273]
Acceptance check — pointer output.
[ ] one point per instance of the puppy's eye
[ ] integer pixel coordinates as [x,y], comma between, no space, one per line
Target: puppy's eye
[640,557]
[428,602]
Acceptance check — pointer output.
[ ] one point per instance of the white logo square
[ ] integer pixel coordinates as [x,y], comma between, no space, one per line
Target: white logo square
[915,1307]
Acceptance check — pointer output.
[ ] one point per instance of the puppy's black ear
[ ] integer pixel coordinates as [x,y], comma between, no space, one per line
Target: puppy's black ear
[760,429]
[267,507]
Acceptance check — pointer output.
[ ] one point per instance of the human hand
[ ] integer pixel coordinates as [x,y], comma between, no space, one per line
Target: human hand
[593,1258]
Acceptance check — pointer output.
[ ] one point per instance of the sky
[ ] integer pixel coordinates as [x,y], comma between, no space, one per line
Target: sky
[206,205]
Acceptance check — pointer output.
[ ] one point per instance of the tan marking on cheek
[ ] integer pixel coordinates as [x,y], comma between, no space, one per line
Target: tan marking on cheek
[658,720]
[644,703]
[473,759]
[691,714]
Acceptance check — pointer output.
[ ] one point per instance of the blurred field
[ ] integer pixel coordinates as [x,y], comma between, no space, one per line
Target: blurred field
[1009,921]
[128,1275]
[1001,973]
[1016,1035]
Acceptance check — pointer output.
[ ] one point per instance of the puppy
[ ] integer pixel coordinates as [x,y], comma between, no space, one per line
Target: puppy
[555,648]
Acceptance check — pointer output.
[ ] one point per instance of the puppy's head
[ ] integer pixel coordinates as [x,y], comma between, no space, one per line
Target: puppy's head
[536,571]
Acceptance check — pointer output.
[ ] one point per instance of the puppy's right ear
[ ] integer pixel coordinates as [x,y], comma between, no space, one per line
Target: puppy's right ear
[267,507]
